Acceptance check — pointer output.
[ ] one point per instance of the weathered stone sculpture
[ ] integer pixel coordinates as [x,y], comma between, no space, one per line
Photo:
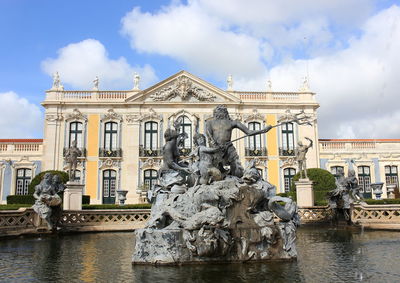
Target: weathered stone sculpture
[214,210]
[71,158]
[301,158]
[48,202]
[346,193]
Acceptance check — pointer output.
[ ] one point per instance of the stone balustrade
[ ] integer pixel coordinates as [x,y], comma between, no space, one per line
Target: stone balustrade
[8,147]
[275,96]
[377,216]
[89,96]
[315,214]
[351,146]
[25,220]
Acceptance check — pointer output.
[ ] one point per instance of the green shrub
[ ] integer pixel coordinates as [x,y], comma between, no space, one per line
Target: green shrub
[116,206]
[38,178]
[20,199]
[323,182]
[13,206]
[383,201]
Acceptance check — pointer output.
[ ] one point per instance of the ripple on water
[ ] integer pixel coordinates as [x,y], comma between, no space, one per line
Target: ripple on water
[325,255]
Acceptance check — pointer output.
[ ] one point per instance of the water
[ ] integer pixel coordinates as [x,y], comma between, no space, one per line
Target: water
[325,255]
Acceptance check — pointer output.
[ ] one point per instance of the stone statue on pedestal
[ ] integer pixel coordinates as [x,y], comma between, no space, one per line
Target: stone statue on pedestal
[48,202]
[301,153]
[71,158]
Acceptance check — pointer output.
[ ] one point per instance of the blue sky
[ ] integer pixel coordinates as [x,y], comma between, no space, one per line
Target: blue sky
[350,47]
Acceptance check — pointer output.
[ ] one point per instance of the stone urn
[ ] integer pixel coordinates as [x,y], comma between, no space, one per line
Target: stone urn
[390,191]
[122,197]
[377,189]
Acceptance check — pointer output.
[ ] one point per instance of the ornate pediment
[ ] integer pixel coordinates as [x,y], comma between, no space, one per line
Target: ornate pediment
[253,116]
[111,115]
[76,115]
[183,87]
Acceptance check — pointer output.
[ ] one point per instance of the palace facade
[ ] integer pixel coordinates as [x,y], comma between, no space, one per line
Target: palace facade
[120,134]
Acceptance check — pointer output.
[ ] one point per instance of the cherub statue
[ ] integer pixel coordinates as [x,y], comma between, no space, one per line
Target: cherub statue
[301,153]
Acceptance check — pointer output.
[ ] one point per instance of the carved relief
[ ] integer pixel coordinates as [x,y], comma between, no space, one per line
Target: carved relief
[111,115]
[254,116]
[257,162]
[76,115]
[109,164]
[184,88]
[54,117]
[151,163]
[150,114]
[288,162]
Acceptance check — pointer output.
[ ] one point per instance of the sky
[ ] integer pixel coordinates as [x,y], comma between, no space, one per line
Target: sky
[349,49]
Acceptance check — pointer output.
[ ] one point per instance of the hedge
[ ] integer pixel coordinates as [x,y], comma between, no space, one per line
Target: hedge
[323,182]
[20,199]
[116,206]
[38,178]
[383,201]
[13,206]
[29,199]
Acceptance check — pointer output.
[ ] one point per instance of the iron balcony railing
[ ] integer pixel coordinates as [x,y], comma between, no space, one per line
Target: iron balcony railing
[149,152]
[258,151]
[107,152]
[287,151]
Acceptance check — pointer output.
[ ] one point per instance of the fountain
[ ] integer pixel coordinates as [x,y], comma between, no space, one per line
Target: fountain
[213,210]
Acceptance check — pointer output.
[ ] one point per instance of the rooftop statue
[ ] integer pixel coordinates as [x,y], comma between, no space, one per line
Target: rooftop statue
[48,202]
[213,209]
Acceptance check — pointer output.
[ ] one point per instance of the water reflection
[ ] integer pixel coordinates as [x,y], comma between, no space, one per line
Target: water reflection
[325,255]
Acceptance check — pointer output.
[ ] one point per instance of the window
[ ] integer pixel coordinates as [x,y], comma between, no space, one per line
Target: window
[110,136]
[186,127]
[150,135]
[254,141]
[23,181]
[109,186]
[288,137]
[391,175]
[288,175]
[75,134]
[337,171]
[364,178]
[150,178]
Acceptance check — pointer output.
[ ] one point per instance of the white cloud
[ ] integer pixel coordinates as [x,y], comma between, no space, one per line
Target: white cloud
[79,63]
[353,56]
[358,86]
[26,118]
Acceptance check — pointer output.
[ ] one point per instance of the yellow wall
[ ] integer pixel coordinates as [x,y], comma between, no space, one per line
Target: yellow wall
[92,152]
[272,146]
[272,138]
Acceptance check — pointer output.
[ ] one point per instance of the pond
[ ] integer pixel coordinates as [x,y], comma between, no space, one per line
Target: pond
[325,254]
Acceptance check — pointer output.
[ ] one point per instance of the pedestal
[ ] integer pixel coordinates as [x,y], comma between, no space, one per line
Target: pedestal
[73,196]
[304,192]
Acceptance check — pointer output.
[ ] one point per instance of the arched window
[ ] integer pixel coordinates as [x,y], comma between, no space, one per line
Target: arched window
[23,180]
[150,178]
[391,175]
[75,134]
[150,135]
[364,179]
[109,186]
[186,127]
[287,139]
[337,171]
[288,175]
[255,141]
[110,136]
